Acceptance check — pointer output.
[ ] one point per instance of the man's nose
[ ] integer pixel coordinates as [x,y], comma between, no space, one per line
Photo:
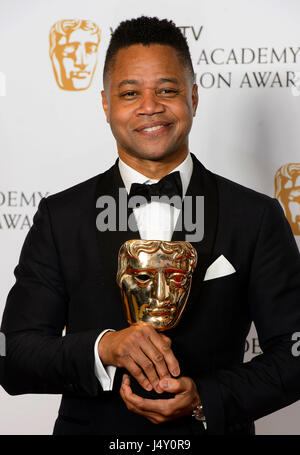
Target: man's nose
[81,57]
[162,288]
[150,104]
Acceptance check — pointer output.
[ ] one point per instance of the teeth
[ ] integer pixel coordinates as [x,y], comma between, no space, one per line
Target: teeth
[153,128]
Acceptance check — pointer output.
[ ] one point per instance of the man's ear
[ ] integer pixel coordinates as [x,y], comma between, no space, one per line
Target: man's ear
[105,105]
[195,98]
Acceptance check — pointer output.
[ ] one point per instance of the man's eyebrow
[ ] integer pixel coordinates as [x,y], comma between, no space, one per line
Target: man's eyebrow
[173,80]
[161,80]
[128,82]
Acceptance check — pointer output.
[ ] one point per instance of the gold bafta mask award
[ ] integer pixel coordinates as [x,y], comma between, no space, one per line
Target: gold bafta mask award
[155,279]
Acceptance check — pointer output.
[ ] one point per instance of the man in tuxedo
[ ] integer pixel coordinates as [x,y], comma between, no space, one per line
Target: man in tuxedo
[248,270]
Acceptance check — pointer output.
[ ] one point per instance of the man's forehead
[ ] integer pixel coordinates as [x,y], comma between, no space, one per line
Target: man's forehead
[132,59]
[159,80]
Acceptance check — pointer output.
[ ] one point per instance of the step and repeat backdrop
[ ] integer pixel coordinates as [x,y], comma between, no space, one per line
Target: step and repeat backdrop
[53,133]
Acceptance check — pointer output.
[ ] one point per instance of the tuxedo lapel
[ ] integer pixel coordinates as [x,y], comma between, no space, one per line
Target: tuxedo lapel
[202,183]
[110,241]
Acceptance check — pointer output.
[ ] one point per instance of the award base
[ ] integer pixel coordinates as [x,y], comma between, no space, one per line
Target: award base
[137,389]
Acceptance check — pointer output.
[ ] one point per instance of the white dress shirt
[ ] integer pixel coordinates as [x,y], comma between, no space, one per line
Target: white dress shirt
[155,221]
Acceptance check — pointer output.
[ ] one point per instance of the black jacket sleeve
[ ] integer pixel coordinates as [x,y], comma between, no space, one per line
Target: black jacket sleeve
[38,358]
[243,393]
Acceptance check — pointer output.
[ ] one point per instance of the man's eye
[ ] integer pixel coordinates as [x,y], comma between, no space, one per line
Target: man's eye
[168,92]
[128,95]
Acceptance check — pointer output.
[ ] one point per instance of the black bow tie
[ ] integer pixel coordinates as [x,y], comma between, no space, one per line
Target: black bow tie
[170,185]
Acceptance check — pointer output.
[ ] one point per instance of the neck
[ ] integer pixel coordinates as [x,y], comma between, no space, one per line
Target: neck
[153,169]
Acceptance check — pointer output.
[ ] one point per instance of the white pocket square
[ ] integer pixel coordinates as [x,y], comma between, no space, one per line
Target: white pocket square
[220,267]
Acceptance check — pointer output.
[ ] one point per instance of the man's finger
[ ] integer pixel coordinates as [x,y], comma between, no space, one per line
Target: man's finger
[152,416]
[176,386]
[147,366]
[126,379]
[137,373]
[157,358]
[163,344]
[143,405]
[131,400]
[158,411]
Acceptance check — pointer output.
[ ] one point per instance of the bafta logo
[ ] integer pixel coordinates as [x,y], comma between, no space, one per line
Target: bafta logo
[73,52]
[287,191]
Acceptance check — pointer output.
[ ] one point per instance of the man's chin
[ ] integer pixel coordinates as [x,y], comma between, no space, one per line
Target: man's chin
[154,155]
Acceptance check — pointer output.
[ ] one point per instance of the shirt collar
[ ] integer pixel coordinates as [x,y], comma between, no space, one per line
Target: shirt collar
[130,175]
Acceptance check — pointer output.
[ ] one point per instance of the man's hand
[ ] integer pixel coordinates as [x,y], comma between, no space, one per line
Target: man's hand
[159,411]
[145,353]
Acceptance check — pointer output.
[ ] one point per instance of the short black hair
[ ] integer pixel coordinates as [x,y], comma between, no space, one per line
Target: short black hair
[148,30]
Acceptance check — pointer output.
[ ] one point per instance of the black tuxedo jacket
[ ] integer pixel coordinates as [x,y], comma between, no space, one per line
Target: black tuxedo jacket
[66,277]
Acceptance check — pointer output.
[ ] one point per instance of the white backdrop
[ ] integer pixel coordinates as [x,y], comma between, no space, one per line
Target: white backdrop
[50,139]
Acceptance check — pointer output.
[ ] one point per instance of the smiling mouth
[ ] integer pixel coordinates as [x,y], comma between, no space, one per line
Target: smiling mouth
[154,130]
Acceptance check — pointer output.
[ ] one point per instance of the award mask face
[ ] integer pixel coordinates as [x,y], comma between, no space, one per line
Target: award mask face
[155,280]
[74,52]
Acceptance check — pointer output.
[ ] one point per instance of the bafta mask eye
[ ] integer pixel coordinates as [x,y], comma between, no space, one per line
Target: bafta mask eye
[294,195]
[178,279]
[142,278]
[91,48]
[68,50]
